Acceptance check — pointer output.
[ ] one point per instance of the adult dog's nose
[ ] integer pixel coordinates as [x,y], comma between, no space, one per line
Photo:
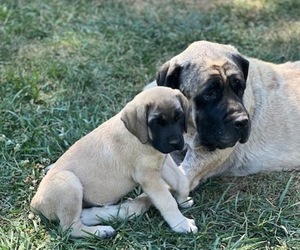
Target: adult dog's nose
[241,122]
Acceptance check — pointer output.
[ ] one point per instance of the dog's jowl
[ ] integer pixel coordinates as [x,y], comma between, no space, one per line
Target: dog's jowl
[128,150]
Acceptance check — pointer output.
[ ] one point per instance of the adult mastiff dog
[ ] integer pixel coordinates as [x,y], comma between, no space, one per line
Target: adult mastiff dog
[231,95]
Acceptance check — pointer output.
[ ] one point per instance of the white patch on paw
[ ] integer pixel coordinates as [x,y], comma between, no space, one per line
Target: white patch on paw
[186,204]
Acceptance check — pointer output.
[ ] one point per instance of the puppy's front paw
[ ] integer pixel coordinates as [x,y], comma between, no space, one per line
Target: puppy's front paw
[186,226]
[193,227]
[189,202]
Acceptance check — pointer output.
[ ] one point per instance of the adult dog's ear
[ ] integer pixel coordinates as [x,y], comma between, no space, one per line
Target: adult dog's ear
[135,118]
[242,63]
[186,109]
[169,75]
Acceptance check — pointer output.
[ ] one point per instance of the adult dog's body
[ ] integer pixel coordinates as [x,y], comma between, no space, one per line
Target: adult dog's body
[102,167]
[231,95]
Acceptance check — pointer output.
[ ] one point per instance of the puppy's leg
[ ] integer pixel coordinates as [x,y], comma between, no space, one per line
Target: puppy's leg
[59,197]
[127,209]
[177,181]
[162,199]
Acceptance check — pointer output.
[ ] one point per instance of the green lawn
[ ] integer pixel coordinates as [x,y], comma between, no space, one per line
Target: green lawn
[67,66]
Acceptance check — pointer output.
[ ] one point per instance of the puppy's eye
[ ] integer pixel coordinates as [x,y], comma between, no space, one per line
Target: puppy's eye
[157,121]
[179,117]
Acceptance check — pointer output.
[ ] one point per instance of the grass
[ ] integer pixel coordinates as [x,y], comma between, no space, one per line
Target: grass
[67,66]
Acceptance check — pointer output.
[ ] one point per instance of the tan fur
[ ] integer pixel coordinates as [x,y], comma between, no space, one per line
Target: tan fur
[272,98]
[109,162]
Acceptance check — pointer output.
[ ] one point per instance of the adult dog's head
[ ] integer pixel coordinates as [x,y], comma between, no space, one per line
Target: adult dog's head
[213,77]
[158,116]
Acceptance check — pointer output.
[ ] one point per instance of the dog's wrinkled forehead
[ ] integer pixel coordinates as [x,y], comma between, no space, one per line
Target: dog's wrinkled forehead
[205,49]
[203,59]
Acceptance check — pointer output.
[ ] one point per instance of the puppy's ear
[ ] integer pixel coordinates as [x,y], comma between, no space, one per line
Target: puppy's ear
[186,108]
[168,75]
[135,118]
[242,63]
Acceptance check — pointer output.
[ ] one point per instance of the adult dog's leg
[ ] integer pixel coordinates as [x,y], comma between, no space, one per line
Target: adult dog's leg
[124,210]
[178,182]
[59,197]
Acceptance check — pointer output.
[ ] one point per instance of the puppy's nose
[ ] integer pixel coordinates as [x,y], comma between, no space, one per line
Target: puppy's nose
[174,140]
[241,122]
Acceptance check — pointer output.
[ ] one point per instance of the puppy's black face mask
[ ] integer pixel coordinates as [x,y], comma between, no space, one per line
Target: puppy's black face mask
[167,132]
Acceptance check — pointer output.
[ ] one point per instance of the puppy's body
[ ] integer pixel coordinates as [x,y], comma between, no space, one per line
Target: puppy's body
[231,95]
[94,153]
[111,161]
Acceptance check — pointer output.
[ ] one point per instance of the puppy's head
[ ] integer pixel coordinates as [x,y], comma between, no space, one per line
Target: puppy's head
[213,77]
[158,116]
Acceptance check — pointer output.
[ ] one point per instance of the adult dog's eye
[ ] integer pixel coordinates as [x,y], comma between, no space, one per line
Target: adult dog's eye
[236,81]
[238,86]
[210,95]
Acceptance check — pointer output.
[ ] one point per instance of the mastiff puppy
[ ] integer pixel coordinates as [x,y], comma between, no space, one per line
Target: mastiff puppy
[128,150]
[245,112]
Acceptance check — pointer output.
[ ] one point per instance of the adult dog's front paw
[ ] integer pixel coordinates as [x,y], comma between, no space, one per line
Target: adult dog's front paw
[186,226]
[189,202]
